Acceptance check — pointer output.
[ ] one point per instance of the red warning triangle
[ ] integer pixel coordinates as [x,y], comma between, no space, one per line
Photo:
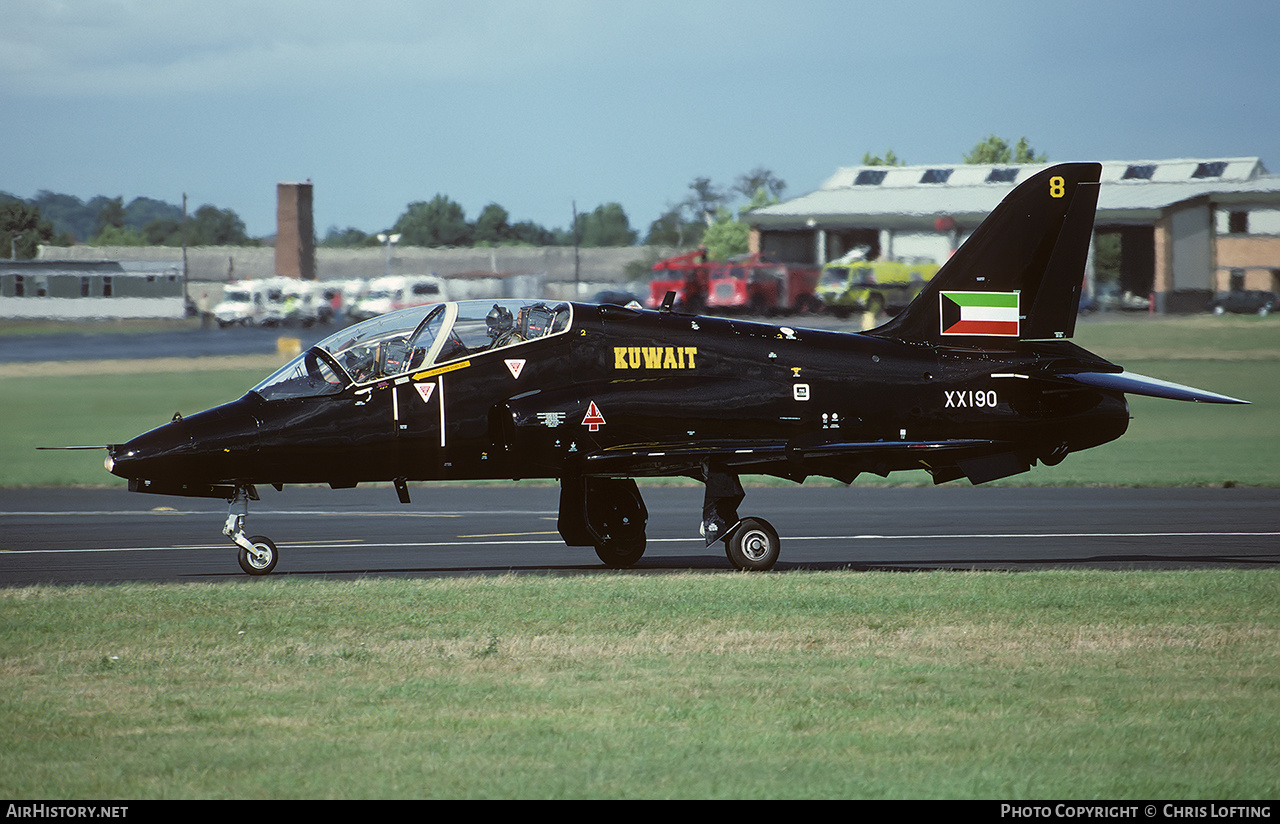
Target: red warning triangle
[594,420]
[516,366]
[425,389]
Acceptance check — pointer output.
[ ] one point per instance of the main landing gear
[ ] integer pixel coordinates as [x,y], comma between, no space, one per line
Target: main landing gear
[258,555]
[609,515]
[752,544]
[605,513]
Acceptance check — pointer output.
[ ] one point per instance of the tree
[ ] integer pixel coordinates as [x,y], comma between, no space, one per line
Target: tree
[726,237]
[760,179]
[889,159]
[673,228]
[526,231]
[163,231]
[685,224]
[438,222]
[347,238]
[606,226]
[729,236]
[211,226]
[710,217]
[159,222]
[118,236]
[705,201]
[110,216]
[67,213]
[493,226]
[996,150]
[20,218]
[142,211]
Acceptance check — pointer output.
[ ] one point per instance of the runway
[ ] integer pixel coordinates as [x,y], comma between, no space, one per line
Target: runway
[71,536]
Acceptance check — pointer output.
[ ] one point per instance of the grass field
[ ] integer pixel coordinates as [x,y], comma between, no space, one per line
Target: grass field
[1066,685]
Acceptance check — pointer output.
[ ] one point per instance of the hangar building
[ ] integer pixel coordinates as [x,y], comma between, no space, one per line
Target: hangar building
[1186,228]
[89,289]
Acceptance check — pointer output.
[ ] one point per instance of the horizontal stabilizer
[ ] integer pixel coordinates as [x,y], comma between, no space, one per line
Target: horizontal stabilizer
[1134,384]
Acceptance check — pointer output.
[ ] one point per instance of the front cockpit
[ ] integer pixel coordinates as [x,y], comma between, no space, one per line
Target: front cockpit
[412,339]
[253,439]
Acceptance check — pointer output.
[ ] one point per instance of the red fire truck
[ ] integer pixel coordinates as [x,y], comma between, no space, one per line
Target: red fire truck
[755,285]
[686,275]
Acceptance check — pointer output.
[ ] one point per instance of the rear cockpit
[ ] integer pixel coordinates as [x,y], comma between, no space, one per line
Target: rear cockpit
[411,339]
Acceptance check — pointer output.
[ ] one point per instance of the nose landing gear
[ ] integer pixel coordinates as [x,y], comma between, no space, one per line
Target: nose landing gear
[258,555]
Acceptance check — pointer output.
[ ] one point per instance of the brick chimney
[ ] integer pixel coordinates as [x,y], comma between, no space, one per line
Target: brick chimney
[295,232]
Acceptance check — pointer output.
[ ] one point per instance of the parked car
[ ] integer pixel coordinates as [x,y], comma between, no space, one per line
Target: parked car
[617,298]
[1110,298]
[1244,301]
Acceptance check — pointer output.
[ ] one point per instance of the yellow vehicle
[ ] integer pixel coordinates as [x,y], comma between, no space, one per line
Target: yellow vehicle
[872,286]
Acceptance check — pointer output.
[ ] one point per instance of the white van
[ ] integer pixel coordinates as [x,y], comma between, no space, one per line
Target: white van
[387,294]
[243,302]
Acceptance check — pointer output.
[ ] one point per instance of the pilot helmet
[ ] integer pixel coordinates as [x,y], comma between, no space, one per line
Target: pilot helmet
[499,320]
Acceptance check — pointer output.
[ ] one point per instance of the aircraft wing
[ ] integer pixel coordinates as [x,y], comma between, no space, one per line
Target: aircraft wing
[766,455]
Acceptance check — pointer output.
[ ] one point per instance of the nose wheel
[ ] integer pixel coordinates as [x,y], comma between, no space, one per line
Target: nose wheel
[258,555]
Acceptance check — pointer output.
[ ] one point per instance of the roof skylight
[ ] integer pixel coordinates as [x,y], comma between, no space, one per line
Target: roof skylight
[1139,172]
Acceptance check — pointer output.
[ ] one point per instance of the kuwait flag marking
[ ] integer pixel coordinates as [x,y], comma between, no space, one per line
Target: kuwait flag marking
[979,313]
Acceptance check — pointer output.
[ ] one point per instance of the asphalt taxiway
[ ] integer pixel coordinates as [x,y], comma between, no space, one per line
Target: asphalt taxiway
[69,536]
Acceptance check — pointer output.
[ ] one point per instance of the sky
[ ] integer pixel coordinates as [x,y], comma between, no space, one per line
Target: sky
[541,105]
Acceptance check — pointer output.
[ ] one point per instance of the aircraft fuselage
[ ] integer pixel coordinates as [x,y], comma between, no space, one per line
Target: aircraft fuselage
[622,378]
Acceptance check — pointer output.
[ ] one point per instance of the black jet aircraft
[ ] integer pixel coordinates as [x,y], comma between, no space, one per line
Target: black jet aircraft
[976,379]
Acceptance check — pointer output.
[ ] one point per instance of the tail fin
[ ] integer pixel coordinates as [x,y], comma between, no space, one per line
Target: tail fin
[1018,276]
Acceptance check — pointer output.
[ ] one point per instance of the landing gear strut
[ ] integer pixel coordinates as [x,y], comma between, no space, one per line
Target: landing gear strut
[605,513]
[751,544]
[258,555]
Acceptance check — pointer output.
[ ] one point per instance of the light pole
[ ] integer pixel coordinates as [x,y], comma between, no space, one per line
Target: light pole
[389,240]
[13,247]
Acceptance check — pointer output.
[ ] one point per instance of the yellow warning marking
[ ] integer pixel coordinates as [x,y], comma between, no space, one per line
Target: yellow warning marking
[431,373]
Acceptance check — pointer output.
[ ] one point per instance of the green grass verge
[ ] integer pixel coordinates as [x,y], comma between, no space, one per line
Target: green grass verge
[1059,684]
[93,409]
[1168,444]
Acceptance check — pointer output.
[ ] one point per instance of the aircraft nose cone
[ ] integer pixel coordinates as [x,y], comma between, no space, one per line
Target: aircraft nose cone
[212,446]
[151,454]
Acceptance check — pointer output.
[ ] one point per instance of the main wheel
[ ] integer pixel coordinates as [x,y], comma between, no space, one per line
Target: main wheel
[621,552]
[264,561]
[753,546]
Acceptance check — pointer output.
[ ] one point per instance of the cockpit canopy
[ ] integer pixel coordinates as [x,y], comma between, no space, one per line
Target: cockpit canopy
[410,339]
